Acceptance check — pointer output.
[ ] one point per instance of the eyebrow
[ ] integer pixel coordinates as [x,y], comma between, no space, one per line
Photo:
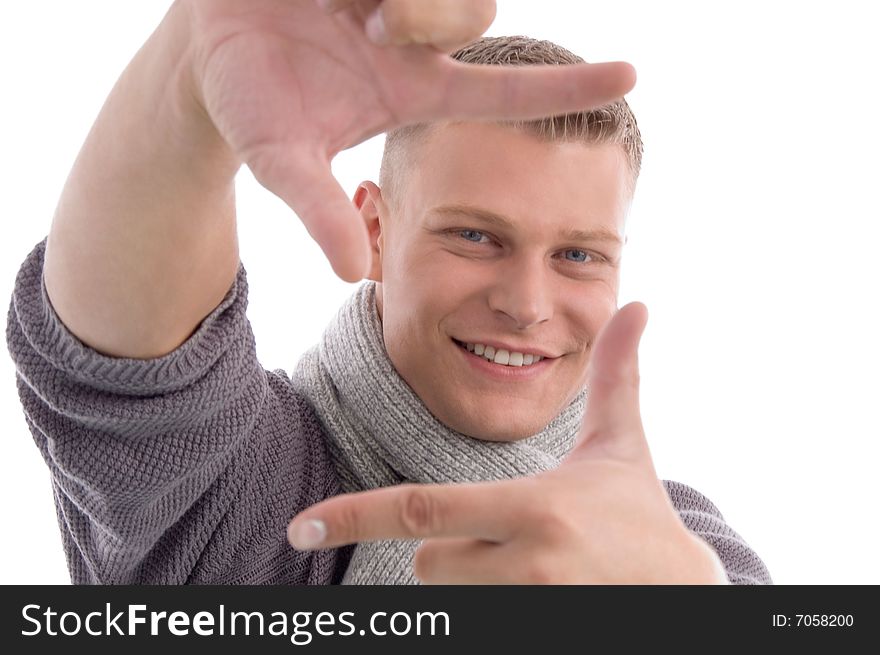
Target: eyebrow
[596,234]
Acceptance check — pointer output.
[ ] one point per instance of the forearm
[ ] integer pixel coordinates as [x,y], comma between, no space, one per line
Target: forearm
[143,243]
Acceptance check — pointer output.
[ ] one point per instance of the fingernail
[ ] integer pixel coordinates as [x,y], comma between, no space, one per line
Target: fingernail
[376,27]
[308,534]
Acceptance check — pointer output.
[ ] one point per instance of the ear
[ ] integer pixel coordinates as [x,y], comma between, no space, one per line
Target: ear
[368,201]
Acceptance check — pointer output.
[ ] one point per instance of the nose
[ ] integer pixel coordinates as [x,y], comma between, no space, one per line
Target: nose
[523,292]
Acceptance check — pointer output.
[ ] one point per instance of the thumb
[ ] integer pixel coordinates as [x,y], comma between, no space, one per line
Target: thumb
[304,181]
[612,424]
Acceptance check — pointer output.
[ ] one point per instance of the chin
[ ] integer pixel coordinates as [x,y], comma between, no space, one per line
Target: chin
[500,428]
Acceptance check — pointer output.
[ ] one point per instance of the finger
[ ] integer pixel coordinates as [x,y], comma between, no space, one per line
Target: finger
[412,511]
[612,419]
[474,91]
[444,24]
[308,187]
[469,561]
[331,6]
[464,561]
[361,7]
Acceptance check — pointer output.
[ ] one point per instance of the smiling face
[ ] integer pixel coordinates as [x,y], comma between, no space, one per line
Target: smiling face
[502,240]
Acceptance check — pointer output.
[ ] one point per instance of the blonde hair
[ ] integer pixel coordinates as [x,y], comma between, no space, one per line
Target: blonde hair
[614,123]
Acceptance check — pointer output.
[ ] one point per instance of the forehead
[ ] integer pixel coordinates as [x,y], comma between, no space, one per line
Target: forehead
[545,185]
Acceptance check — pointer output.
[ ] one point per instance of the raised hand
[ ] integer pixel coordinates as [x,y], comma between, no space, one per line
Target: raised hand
[289,85]
[601,517]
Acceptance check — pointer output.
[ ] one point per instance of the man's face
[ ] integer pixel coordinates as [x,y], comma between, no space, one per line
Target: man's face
[452,275]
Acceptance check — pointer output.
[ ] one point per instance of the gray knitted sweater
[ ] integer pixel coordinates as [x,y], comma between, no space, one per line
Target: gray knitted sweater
[188,467]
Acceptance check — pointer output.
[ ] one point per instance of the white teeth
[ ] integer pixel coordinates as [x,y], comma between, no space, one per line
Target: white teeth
[501,356]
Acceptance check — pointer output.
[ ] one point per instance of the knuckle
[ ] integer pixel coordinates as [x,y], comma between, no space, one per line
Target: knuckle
[555,522]
[557,528]
[424,562]
[541,506]
[543,570]
[267,163]
[419,511]
[346,525]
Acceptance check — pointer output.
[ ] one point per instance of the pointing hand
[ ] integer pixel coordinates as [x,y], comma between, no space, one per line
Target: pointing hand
[601,517]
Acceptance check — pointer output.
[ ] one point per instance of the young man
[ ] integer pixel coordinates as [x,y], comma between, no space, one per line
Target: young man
[177,458]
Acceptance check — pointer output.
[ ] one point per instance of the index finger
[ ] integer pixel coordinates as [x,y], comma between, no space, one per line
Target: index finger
[477,91]
[482,510]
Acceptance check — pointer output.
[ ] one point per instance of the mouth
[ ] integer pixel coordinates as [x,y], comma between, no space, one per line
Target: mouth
[501,364]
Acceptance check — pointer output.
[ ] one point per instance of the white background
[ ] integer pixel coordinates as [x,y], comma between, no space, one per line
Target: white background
[753,242]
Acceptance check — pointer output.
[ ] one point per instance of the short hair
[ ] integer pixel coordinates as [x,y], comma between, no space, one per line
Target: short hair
[613,123]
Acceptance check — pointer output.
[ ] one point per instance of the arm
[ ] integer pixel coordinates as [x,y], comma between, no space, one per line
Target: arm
[143,243]
[139,451]
[135,361]
[178,469]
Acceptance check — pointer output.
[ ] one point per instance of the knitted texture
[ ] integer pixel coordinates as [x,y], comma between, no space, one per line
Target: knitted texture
[182,469]
[187,468]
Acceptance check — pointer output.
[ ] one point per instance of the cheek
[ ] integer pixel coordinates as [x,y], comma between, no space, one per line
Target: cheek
[593,309]
[434,276]
[415,305]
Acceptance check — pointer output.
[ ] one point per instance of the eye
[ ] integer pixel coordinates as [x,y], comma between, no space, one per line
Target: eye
[580,256]
[472,235]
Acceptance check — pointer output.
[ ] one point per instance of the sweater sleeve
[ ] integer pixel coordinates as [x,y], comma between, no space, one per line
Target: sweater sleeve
[155,461]
[701,516]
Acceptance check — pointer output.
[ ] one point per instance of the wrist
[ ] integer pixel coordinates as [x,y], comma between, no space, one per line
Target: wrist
[170,68]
